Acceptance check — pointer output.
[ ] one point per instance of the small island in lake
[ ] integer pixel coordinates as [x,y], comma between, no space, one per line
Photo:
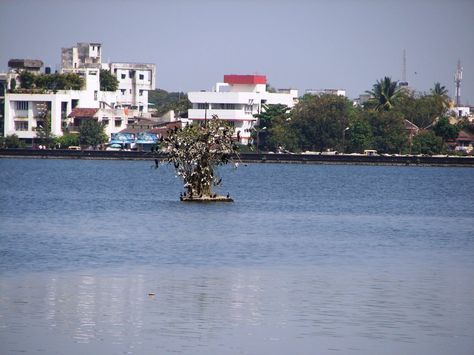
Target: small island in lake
[196,151]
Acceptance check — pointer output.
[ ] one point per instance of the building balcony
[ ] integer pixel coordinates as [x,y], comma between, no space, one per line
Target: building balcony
[233,115]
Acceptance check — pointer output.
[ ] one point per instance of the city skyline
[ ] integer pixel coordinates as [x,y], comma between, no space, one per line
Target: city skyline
[298,44]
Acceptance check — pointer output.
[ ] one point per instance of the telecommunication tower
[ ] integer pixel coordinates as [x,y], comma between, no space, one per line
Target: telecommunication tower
[457,81]
[404,81]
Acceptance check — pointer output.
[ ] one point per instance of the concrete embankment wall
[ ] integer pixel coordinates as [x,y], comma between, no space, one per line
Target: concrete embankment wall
[249,157]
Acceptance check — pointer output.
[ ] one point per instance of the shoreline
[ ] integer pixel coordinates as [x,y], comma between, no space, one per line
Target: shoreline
[444,161]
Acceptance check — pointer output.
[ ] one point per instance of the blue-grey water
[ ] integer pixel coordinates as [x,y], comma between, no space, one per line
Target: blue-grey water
[100,257]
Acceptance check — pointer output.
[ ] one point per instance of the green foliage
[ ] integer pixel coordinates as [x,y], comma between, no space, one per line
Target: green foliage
[68,140]
[360,135]
[27,80]
[196,151]
[384,94]
[43,132]
[108,81]
[388,131]
[273,129]
[426,142]
[165,101]
[12,141]
[445,130]
[465,125]
[91,133]
[422,111]
[319,122]
[56,81]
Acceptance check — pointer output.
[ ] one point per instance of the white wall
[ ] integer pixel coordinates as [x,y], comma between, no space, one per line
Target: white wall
[12,114]
[248,101]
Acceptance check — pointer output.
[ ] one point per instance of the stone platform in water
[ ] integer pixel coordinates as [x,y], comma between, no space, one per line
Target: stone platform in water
[206,199]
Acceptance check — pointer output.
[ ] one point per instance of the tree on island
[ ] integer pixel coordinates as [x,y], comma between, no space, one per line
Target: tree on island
[195,152]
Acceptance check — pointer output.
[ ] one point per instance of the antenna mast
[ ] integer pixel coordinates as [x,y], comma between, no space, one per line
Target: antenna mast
[457,81]
[404,70]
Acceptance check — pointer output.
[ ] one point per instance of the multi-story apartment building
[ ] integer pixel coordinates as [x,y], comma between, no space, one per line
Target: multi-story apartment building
[25,109]
[237,100]
[135,80]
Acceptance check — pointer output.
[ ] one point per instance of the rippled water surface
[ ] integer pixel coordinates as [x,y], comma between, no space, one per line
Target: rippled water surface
[100,257]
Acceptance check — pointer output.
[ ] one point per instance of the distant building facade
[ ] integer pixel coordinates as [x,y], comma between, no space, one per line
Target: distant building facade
[236,100]
[24,110]
[338,92]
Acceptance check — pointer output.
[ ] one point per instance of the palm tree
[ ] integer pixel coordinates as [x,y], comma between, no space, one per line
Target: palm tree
[440,94]
[384,93]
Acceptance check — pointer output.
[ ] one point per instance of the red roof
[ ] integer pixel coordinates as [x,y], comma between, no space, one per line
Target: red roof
[245,79]
[83,112]
[465,136]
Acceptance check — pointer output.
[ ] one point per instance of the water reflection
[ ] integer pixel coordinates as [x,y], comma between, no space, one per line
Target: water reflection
[193,310]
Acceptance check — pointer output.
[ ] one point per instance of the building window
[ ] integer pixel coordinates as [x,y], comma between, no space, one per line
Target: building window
[140,93]
[95,95]
[123,76]
[122,91]
[92,73]
[248,108]
[22,105]
[21,125]
[203,106]
[105,121]
[142,77]
[118,122]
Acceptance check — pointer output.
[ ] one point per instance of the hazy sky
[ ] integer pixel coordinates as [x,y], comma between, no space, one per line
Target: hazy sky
[301,44]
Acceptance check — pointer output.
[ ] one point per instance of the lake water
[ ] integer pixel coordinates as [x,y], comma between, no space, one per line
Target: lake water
[100,257]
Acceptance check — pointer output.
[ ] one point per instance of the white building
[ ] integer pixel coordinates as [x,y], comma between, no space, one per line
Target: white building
[25,109]
[237,100]
[135,79]
[338,92]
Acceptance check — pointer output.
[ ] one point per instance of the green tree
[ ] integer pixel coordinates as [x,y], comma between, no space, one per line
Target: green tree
[426,142]
[27,80]
[422,111]
[108,81]
[272,129]
[91,133]
[165,101]
[12,141]
[43,131]
[68,140]
[388,131]
[384,94]
[360,135]
[320,121]
[441,98]
[57,81]
[445,130]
